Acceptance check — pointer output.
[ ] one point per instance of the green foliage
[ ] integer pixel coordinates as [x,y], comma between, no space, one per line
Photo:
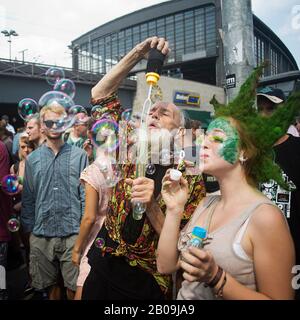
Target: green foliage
[262,131]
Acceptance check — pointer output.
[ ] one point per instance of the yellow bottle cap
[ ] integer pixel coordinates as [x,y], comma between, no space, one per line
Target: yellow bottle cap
[152,78]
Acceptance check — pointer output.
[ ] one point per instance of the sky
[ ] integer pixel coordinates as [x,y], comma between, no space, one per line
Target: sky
[46,28]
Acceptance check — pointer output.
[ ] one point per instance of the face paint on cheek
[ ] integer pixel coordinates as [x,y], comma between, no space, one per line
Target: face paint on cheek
[228,149]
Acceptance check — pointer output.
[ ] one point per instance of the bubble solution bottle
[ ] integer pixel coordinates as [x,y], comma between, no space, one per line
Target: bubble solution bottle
[197,238]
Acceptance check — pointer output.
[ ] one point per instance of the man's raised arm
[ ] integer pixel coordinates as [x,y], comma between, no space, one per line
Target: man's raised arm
[112,80]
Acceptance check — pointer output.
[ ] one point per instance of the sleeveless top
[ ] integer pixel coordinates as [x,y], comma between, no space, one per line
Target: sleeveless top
[225,245]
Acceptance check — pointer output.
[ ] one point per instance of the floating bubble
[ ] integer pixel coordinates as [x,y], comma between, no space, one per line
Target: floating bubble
[77,109]
[105,134]
[66,86]
[110,170]
[54,74]
[13,225]
[56,98]
[10,184]
[27,107]
[81,118]
[98,114]
[150,169]
[99,243]
[126,115]
[135,120]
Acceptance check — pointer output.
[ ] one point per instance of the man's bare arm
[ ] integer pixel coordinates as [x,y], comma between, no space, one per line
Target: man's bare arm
[112,80]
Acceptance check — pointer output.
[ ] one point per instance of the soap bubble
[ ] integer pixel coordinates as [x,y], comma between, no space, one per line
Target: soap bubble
[10,184]
[135,120]
[66,86]
[98,114]
[77,109]
[56,98]
[105,134]
[99,243]
[81,118]
[13,225]
[27,107]
[150,169]
[54,74]
[126,115]
[109,169]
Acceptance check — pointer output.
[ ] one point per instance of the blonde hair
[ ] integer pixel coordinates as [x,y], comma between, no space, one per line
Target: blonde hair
[56,108]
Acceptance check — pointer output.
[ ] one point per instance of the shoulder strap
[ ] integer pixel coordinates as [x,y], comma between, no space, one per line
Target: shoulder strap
[208,201]
[246,216]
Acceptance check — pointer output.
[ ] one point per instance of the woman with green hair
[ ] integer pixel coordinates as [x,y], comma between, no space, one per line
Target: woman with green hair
[248,251]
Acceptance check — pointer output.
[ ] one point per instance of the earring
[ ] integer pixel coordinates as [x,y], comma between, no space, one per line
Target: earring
[242,159]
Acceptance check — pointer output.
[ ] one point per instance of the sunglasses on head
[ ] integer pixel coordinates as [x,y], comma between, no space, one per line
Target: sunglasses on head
[50,123]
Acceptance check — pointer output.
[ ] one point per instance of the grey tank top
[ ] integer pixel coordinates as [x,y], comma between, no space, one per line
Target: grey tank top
[221,246]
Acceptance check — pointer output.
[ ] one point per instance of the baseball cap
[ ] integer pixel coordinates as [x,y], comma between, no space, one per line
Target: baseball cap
[5,117]
[81,118]
[273,94]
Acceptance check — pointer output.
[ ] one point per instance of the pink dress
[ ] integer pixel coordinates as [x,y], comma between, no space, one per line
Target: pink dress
[93,176]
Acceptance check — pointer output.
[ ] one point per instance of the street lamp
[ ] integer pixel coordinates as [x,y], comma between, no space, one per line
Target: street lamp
[9,34]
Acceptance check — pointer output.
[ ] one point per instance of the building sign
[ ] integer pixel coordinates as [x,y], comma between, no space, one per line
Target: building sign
[230,81]
[186,99]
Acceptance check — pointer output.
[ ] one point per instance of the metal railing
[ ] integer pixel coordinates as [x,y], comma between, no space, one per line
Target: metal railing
[38,70]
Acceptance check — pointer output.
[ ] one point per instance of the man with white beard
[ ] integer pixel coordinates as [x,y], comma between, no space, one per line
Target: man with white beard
[123,263]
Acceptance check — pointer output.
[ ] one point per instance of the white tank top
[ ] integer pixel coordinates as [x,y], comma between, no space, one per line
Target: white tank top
[226,249]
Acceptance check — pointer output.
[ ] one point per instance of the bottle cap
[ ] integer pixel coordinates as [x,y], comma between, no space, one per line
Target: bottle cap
[175,175]
[152,78]
[199,232]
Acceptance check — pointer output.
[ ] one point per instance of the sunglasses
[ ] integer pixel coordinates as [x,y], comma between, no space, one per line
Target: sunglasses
[50,123]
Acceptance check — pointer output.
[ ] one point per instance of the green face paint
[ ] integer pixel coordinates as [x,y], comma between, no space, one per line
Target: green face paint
[221,131]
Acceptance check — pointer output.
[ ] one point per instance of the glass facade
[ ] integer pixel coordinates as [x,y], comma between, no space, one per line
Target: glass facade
[265,50]
[192,35]
[188,32]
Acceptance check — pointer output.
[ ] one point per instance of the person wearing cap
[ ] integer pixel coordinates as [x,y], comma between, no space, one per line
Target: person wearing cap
[77,135]
[287,155]
[268,99]
[9,127]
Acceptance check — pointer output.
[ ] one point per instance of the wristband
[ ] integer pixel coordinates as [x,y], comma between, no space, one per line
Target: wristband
[216,278]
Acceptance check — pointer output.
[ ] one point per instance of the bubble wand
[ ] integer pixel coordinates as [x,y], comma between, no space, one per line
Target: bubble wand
[154,66]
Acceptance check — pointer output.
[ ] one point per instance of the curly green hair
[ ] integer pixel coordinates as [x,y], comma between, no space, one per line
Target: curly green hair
[262,131]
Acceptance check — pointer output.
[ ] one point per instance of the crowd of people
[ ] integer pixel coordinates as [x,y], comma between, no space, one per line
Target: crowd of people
[78,231]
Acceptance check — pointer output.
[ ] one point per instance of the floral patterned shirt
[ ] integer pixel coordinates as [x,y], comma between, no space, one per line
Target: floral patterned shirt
[143,252]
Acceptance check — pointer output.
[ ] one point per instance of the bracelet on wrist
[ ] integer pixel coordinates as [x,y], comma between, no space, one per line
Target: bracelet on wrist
[219,293]
[215,279]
